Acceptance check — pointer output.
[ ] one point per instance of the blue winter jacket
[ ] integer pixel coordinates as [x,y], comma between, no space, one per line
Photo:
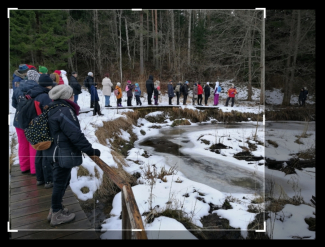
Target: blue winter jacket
[170,90]
[93,93]
[24,86]
[63,122]
[41,97]
[137,91]
[16,77]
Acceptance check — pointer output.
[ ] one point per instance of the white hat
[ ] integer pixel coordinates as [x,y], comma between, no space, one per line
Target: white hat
[63,72]
[90,73]
[118,84]
[208,83]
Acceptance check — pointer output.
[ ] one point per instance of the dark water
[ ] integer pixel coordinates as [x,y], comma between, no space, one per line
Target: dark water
[219,174]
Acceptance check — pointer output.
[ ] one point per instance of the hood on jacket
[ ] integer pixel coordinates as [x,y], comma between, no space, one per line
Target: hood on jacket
[16,73]
[150,77]
[26,85]
[217,85]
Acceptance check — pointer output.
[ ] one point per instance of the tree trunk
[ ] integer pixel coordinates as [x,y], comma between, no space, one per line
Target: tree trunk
[116,35]
[69,44]
[141,43]
[262,95]
[156,32]
[249,44]
[127,40]
[98,46]
[189,39]
[147,55]
[287,86]
[173,38]
[120,24]
[153,39]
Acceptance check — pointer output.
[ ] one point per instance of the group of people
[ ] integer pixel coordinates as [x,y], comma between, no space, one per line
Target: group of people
[64,127]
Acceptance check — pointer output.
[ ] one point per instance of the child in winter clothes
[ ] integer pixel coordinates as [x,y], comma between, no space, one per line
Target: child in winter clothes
[231,95]
[137,94]
[156,93]
[129,87]
[199,93]
[94,98]
[217,90]
[206,93]
[170,92]
[119,96]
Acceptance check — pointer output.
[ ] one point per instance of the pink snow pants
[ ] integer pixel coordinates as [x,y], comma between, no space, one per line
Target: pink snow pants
[26,153]
[216,99]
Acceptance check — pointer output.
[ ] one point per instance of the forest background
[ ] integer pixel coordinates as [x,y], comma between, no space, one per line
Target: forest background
[179,45]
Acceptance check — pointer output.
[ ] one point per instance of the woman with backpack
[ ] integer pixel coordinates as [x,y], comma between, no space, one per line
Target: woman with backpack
[26,153]
[170,92]
[129,87]
[217,90]
[194,98]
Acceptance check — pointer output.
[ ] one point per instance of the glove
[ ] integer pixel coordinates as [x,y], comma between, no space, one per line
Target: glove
[94,152]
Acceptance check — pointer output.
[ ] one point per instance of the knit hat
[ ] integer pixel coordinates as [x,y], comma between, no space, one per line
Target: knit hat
[90,73]
[63,72]
[23,68]
[106,75]
[207,83]
[186,82]
[45,80]
[74,72]
[136,84]
[118,84]
[232,84]
[129,82]
[61,92]
[42,69]
[158,88]
[31,67]
[195,84]
[52,76]
[33,75]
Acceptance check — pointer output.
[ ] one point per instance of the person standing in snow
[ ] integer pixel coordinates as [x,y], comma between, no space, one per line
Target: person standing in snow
[150,88]
[231,95]
[59,79]
[129,87]
[119,95]
[87,83]
[199,93]
[64,127]
[75,86]
[177,90]
[156,93]
[217,90]
[170,92]
[305,95]
[43,159]
[19,74]
[94,99]
[26,153]
[137,94]
[206,93]
[64,77]
[194,98]
[107,89]
[185,92]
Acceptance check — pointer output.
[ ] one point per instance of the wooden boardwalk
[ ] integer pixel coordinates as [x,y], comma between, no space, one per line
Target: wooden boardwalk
[29,206]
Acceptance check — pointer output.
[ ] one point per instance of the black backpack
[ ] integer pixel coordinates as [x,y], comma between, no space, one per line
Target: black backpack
[25,110]
[37,133]
[182,88]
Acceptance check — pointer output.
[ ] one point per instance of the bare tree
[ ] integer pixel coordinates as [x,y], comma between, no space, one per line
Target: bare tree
[189,39]
[127,39]
[141,43]
[262,95]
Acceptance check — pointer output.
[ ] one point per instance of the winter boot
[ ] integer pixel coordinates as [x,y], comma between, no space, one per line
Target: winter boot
[61,217]
[49,216]
[39,182]
[100,114]
[48,185]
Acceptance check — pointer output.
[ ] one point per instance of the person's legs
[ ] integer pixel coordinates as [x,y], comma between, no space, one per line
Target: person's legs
[232,101]
[184,99]
[149,98]
[61,177]
[39,167]
[108,99]
[75,97]
[206,100]
[177,95]
[23,150]
[227,101]
[217,99]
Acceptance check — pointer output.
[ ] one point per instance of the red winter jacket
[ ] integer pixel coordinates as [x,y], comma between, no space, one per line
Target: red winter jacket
[232,92]
[199,89]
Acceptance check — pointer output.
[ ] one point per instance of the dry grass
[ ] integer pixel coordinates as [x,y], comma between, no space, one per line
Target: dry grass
[273,143]
[82,171]
[12,155]
[307,154]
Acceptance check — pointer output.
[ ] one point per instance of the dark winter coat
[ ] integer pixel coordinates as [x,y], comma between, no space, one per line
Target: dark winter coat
[185,92]
[90,81]
[63,122]
[170,90]
[129,92]
[149,85]
[93,93]
[17,77]
[207,91]
[75,85]
[24,86]
[156,92]
[305,94]
[40,96]
[302,94]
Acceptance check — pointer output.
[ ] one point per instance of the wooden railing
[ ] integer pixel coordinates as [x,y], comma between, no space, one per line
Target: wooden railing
[132,225]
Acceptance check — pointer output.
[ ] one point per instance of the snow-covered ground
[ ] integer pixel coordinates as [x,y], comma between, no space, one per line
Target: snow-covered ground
[287,225]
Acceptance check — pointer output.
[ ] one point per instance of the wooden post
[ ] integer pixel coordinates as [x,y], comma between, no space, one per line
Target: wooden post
[126,226]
